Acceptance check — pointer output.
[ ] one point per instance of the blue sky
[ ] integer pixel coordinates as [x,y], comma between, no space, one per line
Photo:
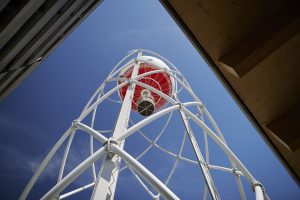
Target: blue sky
[35,115]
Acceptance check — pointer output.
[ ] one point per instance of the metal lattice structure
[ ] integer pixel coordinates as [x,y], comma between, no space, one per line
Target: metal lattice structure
[112,150]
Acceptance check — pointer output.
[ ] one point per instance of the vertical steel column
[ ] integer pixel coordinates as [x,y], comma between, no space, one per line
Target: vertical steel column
[203,166]
[108,175]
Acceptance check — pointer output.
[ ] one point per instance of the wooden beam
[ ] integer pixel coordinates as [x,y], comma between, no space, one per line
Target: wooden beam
[286,128]
[263,42]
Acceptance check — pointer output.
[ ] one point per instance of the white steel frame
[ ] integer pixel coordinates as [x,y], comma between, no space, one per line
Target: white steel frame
[112,149]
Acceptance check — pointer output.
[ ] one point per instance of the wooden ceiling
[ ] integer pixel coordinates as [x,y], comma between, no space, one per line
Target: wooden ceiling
[253,46]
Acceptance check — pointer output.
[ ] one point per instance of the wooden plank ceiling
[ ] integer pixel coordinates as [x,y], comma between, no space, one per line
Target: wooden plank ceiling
[30,30]
[253,47]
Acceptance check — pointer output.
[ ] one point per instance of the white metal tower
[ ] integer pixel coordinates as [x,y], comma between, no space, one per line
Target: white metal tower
[148,84]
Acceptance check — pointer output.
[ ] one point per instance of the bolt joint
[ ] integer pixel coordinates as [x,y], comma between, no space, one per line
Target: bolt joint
[257,183]
[180,105]
[234,171]
[108,143]
[130,81]
[75,123]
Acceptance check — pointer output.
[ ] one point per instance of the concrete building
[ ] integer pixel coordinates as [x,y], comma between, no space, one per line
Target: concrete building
[30,30]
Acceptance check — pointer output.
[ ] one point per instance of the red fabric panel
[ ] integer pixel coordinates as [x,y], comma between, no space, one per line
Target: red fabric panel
[160,81]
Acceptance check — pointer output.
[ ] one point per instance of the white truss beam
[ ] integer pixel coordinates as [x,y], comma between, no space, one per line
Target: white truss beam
[112,149]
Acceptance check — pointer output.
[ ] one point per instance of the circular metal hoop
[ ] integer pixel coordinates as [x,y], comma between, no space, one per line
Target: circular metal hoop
[112,147]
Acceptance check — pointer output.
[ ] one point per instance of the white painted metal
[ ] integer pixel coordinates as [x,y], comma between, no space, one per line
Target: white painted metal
[96,103]
[221,145]
[53,193]
[225,169]
[112,149]
[91,131]
[176,161]
[259,195]
[142,184]
[202,164]
[76,191]
[145,173]
[108,176]
[92,140]
[44,164]
[63,162]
